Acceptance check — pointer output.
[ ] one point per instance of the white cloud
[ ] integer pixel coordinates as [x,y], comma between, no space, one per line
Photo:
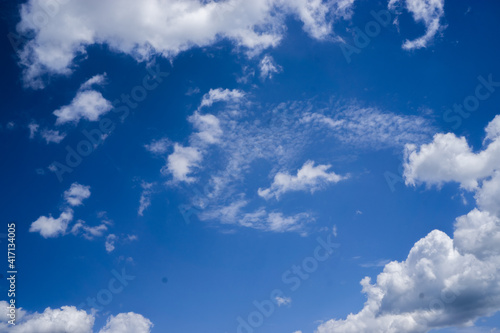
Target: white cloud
[259,219]
[52,136]
[98,80]
[151,27]
[159,147]
[428,12]
[444,281]
[110,242]
[88,231]
[309,178]
[76,194]
[87,104]
[182,162]
[127,323]
[68,319]
[145,200]
[371,127]
[280,136]
[268,67]
[33,129]
[283,300]
[208,127]
[449,158]
[220,95]
[50,227]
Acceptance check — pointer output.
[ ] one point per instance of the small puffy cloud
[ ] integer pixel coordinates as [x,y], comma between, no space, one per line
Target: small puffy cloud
[208,127]
[110,242]
[268,67]
[52,136]
[309,178]
[76,194]
[33,127]
[158,147]
[221,95]
[87,104]
[127,323]
[283,300]
[182,162]
[428,12]
[50,227]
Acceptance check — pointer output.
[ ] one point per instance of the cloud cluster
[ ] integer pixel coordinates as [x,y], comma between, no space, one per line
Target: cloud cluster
[68,319]
[444,281]
[50,227]
[309,178]
[279,135]
[142,29]
[428,12]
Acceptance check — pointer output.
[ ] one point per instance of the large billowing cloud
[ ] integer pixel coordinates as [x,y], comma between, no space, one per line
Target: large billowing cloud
[64,29]
[68,319]
[444,281]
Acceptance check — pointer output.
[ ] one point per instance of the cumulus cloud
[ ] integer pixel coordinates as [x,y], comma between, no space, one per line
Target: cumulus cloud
[185,159]
[444,281]
[165,28]
[182,162]
[221,95]
[68,319]
[208,127]
[449,158]
[268,67]
[110,242]
[309,178]
[87,104]
[52,136]
[428,12]
[76,194]
[158,147]
[50,227]
[127,323]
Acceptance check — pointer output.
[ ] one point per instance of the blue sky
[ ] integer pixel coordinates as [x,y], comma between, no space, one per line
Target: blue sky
[265,166]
